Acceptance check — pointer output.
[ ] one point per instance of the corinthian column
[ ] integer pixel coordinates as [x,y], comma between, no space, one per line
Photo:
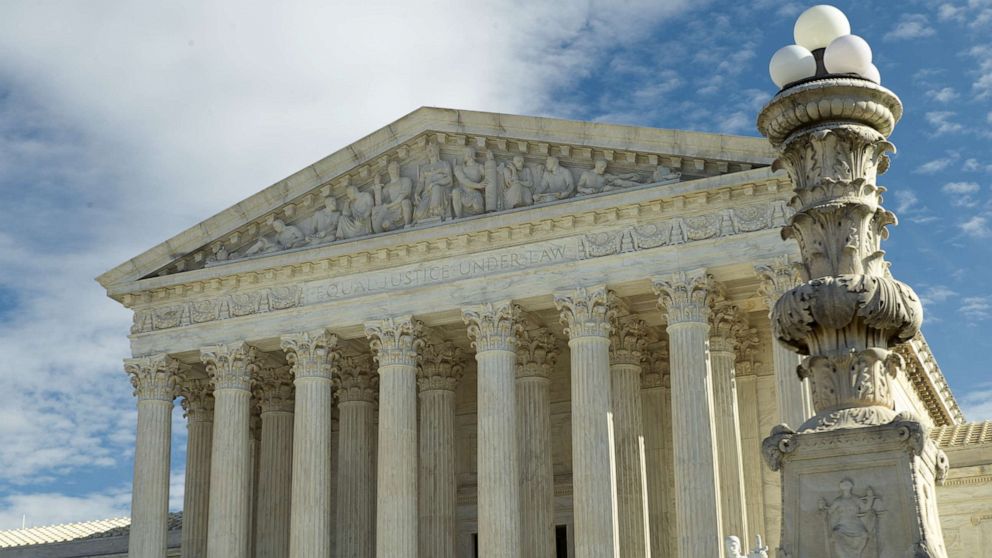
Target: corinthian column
[312,356]
[657,409]
[847,315]
[686,298]
[230,368]
[627,341]
[395,343]
[154,381]
[584,314]
[198,405]
[492,328]
[537,352]
[794,404]
[274,393]
[441,368]
[727,325]
[356,392]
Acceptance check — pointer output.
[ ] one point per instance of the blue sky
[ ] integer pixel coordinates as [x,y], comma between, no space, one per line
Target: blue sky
[122,123]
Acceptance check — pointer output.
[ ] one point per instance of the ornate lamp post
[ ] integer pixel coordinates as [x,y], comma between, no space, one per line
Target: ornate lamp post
[858,479]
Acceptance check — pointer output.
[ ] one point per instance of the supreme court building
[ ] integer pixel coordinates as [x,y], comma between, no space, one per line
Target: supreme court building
[484,334]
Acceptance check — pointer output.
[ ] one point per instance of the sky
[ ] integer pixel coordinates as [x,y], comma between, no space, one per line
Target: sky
[123,123]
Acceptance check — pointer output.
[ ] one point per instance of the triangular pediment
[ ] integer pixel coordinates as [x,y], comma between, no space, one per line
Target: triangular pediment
[447,165]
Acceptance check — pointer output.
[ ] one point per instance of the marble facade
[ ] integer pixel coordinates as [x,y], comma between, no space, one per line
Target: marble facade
[472,332]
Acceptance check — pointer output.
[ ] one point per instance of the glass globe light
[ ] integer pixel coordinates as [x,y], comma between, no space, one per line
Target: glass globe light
[819,25]
[873,74]
[791,63]
[849,54]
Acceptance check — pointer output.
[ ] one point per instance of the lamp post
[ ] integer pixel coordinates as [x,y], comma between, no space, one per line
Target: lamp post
[857,478]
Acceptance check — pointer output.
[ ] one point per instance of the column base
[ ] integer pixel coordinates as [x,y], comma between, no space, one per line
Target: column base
[865,492]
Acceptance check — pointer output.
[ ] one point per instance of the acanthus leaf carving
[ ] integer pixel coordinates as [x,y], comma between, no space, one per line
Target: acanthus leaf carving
[585,312]
[153,377]
[441,366]
[686,297]
[357,379]
[537,353]
[311,354]
[231,365]
[395,341]
[493,326]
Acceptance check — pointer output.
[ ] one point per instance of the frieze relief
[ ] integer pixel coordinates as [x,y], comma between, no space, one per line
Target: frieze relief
[634,238]
[440,177]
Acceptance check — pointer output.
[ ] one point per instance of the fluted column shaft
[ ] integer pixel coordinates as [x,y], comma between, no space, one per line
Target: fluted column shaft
[356,459]
[438,484]
[697,496]
[154,381]
[492,327]
[395,343]
[657,409]
[536,356]
[584,313]
[275,466]
[626,344]
[312,356]
[198,404]
[230,368]
[728,440]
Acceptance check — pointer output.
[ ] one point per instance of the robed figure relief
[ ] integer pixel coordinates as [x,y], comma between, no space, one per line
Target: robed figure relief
[393,205]
[432,200]
[518,183]
[852,522]
[468,196]
[356,217]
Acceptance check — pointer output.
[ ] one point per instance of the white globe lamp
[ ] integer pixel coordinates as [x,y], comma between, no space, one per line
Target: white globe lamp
[791,63]
[848,54]
[872,74]
[820,25]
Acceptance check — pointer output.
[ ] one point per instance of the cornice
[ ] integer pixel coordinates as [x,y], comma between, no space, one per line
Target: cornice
[929,382]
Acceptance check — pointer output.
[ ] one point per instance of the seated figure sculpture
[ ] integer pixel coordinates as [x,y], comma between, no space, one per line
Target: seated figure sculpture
[432,198]
[286,237]
[556,184]
[598,180]
[665,175]
[467,197]
[518,183]
[356,218]
[393,207]
[324,223]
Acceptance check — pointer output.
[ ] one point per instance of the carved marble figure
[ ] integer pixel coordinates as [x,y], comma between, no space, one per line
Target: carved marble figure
[557,182]
[356,218]
[324,223]
[467,198]
[393,207]
[598,180]
[518,183]
[851,522]
[733,547]
[286,237]
[432,199]
[220,254]
[665,175]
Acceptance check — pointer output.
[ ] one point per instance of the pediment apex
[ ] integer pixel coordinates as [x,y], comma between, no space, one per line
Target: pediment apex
[627,148]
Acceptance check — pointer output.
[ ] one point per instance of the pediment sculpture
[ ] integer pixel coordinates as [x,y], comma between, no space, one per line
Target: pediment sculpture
[438,188]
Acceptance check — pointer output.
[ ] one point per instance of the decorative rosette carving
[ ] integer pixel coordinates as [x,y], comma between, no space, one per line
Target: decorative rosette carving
[395,341]
[585,312]
[628,337]
[685,296]
[198,397]
[357,379]
[153,377]
[493,327]
[537,353]
[311,354]
[230,366]
[274,387]
[441,366]
[656,367]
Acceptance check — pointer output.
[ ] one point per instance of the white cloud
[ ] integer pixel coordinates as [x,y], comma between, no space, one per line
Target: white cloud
[975,308]
[48,508]
[936,165]
[943,95]
[941,122]
[910,26]
[977,403]
[936,294]
[976,227]
[960,193]
[906,201]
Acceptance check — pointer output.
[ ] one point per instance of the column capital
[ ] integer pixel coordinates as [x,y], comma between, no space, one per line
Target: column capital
[356,379]
[777,277]
[311,354]
[153,377]
[493,326]
[727,324]
[230,366]
[537,353]
[585,312]
[441,366]
[198,398]
[274,387]
[628,338]
[656,367]
[685,296]
[395,341]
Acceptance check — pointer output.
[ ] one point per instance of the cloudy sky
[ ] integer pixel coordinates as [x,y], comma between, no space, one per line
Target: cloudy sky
[125,122]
